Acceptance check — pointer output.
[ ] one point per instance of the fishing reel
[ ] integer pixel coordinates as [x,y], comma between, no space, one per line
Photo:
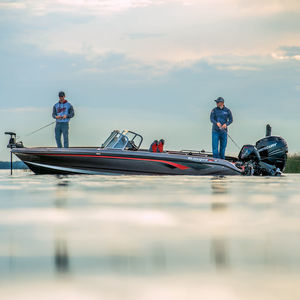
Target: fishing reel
[13,141]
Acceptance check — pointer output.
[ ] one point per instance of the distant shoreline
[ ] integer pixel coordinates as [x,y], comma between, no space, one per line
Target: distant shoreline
[293,164]
[4,165]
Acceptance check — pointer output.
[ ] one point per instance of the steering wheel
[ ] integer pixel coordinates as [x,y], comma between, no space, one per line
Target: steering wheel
[133,146]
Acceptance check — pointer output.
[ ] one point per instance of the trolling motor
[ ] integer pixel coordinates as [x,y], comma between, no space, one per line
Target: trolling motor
[13,141]
[268,157]
[13,144]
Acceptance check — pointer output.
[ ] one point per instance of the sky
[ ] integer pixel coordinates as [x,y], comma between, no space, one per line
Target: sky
[151,66]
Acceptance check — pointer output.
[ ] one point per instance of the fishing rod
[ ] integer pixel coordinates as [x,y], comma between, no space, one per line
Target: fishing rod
[33,132]
[231,139]
[234,141]
[268,133]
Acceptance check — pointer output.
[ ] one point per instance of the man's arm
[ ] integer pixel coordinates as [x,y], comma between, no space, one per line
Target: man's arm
[212,117]
[54,113]
[71,112]
[230,119]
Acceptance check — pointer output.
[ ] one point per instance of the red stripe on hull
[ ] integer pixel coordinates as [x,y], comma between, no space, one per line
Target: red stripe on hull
[179,166]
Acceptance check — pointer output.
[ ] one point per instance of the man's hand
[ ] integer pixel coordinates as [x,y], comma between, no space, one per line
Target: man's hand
[58,117]
[219,125]
[224,126]
[64,117]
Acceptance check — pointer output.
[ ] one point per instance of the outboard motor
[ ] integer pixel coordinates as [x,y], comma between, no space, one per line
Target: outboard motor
[273,151]
[249,153]
[267,157]
[249,159]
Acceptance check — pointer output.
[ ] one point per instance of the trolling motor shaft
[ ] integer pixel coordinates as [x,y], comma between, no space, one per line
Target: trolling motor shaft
[11,144]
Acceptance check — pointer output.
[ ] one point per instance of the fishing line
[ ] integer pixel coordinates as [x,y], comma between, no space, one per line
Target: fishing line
[234,141]
[31,133]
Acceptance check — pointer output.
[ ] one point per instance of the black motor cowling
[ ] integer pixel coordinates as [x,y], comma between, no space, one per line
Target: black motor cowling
[267,157]
[249,153]
[273,150]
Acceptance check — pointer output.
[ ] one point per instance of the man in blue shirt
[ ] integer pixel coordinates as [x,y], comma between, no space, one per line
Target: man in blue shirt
[62,111]
[221,118]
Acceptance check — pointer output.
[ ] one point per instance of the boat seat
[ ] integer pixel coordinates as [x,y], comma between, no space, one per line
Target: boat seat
[153,146]
[157,146]
[160,146]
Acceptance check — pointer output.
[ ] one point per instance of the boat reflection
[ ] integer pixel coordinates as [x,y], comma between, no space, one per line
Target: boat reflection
[61,256]
[219,188]
[219,206]
[62,191]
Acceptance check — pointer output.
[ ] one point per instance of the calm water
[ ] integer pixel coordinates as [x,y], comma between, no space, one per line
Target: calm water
[129,237]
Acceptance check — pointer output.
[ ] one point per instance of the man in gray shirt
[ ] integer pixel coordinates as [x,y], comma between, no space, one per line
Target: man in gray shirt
[62,111]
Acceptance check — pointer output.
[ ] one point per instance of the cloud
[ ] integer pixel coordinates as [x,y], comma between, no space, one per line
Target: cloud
[108,7]
[287,53]
[141,35]
[13,4]
[238,68]
[290,51]
[90,7]
[159,31]
[266,7]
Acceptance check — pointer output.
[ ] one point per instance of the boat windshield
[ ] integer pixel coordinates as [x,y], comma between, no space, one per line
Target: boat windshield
[126,140]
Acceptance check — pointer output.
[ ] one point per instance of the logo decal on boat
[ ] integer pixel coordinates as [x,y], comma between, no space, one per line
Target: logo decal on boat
[201,159]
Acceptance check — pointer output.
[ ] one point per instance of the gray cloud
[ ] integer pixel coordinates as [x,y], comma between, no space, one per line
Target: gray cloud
[290,51]
[137,36]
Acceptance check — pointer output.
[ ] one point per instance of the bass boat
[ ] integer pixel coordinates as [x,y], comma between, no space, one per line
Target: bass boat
[121,153]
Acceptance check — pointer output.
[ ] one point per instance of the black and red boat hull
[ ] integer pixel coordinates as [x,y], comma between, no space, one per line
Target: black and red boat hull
[114,161]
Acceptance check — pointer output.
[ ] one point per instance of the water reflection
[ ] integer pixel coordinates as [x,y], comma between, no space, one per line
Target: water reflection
[11,260]
[61,256]
[219,185]
[219,252]
[219,188]
[159,258]
[219,247]
[148,260]
[61,192]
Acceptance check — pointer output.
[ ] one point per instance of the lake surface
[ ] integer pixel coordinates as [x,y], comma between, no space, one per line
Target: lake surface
[131,237]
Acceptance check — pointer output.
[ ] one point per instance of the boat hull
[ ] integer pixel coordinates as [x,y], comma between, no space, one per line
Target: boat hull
[111,161]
